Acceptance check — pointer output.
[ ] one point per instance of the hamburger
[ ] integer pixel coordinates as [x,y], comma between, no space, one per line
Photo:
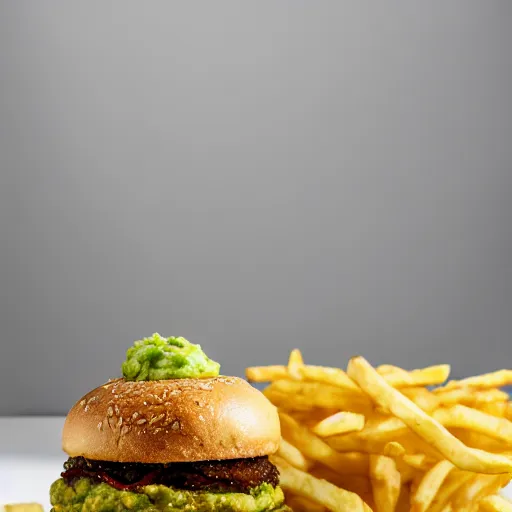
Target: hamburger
[197,443]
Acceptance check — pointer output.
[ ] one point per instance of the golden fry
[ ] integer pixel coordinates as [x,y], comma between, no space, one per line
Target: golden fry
[379,438]
[498,409]
[354,483]
[407,472]
[319,491]
[377,434]
[461,416]
[384,428]
[470,396]
[478,440]
[422,397]
[23,507]
[474,488]
[292,455]
[356,443]
[393,449]
[339,423]
[316,449]
[310,373]
[295,363]
[387,369]
[508,412]
[266,373]
[386,481]
[489,380]
[495,503]
[332,376]
[429,486]
[321,395]
[418,461]
[282,400]
[423,377]
[425,426]
[398,377]
[455,481]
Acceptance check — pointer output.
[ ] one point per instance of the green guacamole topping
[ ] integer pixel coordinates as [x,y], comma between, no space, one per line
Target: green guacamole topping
[159,358]
[87,496]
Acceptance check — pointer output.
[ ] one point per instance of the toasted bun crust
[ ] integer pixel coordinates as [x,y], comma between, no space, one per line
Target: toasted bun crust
[180,420]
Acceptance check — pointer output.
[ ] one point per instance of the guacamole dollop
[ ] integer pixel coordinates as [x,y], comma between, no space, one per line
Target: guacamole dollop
[159,358]
[87,496]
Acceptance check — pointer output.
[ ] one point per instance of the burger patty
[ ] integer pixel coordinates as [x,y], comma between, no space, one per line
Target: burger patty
[236,475]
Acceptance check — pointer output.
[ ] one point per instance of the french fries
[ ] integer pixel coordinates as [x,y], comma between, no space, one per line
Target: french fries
[382,439]
[424,425]
[292,455]
[319,491]
[387,369]
[393,449]
[316,449]
[355,483]
[23,507]
[464,417]
[429,485]
[469,492]
[339,423]
[422,397]
[295,363]
[448,491]
[469,396]
[489,380]
[266,373]
[423,377]
[495,504]
[332,376]
[320,395]
[478,440]
[498,409]
[386,481]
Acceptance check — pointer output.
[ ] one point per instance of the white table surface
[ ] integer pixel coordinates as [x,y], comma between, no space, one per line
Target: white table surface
[31,458]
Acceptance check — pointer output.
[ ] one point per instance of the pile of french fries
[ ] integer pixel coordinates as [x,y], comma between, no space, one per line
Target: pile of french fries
[385,439]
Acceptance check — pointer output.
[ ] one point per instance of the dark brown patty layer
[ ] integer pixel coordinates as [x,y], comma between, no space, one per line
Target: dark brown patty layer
[237,475]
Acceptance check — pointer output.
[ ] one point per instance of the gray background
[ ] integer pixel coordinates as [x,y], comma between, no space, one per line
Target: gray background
[254,176]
